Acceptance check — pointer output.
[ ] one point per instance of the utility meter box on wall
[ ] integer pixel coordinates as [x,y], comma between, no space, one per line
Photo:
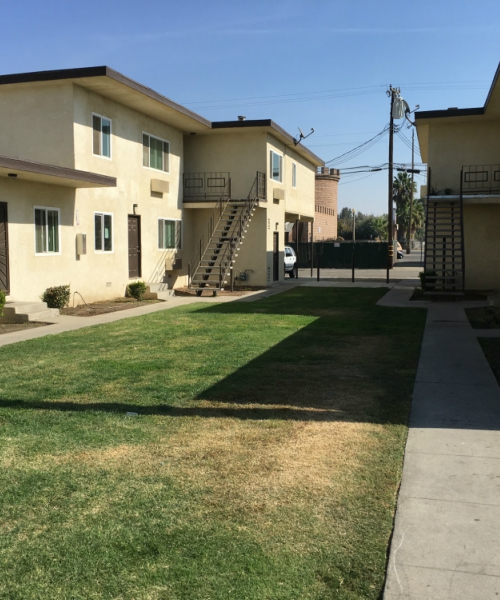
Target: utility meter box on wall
[81,243]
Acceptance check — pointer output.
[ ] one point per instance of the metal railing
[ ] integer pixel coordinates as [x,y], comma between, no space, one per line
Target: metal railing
[206,185]
[211,226]
[481,179]
[233,235]
[210,185]
[237,230]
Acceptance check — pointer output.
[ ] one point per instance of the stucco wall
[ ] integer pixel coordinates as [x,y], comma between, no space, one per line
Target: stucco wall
[30,274]
[241,154]
[299,199]
[458,143]
[36,122]
[96,275]
[482,258]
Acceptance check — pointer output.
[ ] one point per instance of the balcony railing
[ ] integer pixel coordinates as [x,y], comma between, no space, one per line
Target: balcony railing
[206,186]
[210,186]
[481,179]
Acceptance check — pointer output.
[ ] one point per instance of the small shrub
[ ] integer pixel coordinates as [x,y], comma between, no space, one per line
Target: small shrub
[2,302]
[56,297]
[137,289]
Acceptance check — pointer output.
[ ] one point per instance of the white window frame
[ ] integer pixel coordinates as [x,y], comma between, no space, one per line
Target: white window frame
[103,251]
[271,176]
[100,154]
[178,242]
[294,174]
[46,208]
[148,166]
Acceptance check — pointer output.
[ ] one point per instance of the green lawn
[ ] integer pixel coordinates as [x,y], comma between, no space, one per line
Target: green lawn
[264,462]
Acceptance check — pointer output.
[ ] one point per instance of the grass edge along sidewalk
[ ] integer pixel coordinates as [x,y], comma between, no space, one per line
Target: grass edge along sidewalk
[264,461]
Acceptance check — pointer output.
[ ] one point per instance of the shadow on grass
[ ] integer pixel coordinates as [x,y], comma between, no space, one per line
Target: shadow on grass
[350,364]
[257,413]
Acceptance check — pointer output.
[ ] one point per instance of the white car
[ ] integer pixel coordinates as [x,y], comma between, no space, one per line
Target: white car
[290,260]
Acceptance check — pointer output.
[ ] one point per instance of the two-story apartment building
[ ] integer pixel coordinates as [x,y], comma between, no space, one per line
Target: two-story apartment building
[462,149]
[104,181]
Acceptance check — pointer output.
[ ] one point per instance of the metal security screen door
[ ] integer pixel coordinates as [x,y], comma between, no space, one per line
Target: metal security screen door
[4,249]
[134,246]
[276,256]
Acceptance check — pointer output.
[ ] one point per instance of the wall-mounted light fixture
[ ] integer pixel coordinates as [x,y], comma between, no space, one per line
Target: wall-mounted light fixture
[277,226]
[135,207]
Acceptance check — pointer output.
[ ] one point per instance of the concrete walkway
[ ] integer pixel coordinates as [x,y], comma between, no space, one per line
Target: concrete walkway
[446,542]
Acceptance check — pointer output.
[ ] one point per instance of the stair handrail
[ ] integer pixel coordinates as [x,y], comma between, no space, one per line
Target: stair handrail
[213,221]
[238,228]
[424,284]
[462,226]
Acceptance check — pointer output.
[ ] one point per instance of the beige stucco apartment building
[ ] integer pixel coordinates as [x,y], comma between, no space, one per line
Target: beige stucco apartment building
[462,149]
[104,181]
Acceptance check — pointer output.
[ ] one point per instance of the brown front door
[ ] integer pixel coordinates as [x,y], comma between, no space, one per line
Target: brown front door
[4,249]
[276,256]
[134,246]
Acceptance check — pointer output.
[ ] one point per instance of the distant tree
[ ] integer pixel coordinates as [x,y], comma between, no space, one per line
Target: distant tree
[402,194]
[402,190]
[417,218]
[371,228]
[344,223]
[379,225]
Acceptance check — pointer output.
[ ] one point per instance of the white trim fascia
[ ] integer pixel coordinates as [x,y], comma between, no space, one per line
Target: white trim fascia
[182,233]
[58,230]
[100,212]
[282,167]
[110,157]
[150,135]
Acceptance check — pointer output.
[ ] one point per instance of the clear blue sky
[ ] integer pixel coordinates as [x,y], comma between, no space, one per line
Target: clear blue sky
[322,64]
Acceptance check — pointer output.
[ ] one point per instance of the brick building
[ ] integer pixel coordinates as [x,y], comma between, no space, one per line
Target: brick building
[326,208]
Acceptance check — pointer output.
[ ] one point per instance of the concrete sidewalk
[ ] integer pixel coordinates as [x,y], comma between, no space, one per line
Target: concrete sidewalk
[446,542]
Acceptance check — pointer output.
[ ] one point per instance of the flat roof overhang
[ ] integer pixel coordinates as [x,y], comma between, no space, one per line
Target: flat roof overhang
[26,170]
[268,126]
[111,84]
[292,217]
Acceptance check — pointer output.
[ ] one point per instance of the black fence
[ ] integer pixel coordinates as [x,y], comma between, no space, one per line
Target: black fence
[339,255]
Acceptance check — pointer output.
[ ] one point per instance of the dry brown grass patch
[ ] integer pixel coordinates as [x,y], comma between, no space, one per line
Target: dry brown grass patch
[250,466]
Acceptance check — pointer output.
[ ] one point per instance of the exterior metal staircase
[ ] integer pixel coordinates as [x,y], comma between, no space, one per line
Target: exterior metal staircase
[444,258]
[210,267]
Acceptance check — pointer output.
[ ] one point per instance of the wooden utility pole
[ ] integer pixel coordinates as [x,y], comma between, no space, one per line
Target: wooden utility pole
[408,242]
[390,226]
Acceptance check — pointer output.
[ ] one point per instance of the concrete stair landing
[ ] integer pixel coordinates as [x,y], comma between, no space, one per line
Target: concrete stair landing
[22,312]
[158,291]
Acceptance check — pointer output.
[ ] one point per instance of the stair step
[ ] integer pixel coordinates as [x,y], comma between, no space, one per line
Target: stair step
[22,312]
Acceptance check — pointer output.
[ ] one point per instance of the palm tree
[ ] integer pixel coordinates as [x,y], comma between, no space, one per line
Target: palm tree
[401,189]
[417,217]
[402,194]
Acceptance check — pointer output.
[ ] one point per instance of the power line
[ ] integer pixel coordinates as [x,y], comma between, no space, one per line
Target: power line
[338,93]
[359,179]
[365,87]
[359,149]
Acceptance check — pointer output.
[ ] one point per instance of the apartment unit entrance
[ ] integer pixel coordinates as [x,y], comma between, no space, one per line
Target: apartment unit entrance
[4,249]
[134,246]
[276,256]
